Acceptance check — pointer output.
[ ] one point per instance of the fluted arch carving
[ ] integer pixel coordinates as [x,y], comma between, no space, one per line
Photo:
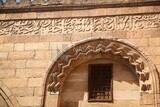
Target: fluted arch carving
[146,71]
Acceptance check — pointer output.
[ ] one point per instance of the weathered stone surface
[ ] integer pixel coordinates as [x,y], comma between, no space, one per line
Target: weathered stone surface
[15,82]
[21,92]
[12,64]
[13,16]
[61,3]
[149,99]
[3,55]
[21,55]
[38,91]
[30,101]
[52,100]
[37,63]
[19,47]
[154,41]
[30,41]
[43,55]
[36,46]
[3,102]
[7,73]
[6,47]
[82,25]
[35,82]
[2,16]
[30,73]
[125,87]
[115,104]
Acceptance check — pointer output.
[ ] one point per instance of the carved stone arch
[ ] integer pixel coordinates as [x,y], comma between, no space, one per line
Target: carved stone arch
[8,96]
[145,70]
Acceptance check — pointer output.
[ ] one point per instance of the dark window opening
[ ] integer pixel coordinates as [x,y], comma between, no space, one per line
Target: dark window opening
[100,83]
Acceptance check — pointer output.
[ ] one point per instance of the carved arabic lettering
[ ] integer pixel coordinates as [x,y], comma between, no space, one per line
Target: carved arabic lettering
[79,25]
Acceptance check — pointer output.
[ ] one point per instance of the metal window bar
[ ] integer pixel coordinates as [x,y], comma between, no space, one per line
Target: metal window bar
[100,83]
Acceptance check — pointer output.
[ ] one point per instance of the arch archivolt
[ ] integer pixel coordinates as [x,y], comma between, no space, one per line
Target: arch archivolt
[101,46]
[112,49]
[8,96]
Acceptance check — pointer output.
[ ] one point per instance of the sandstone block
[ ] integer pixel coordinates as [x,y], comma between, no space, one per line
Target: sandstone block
[15,82]
[21,55]
[51,100]
[152,50]
[30,72]
[35,82]
[1,39]
[122,85]
[55,38]
[139,42]
[147,98]
[155,59]
[36,46]
[14,16]
[60,46]
[2,16]
[154,41]
[3,55]
[6,47]
[45,14]
[68,96]
[71,86]
[37,63]
[19,47]
[29,15]
[126,95]
[29,101]
[21,39]
[12,64]
[38,91]
[7,73]
[43,55]
[21,92]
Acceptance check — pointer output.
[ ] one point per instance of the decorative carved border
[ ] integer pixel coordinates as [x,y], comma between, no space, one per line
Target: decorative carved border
[143,68]
[80,25]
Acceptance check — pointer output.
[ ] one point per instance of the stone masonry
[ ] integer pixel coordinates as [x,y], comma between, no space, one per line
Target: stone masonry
[31,40]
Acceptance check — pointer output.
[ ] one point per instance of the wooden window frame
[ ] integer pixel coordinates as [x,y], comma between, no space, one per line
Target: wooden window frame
[90,82]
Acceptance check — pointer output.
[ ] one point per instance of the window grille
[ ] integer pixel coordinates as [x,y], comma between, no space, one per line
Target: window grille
[100,83]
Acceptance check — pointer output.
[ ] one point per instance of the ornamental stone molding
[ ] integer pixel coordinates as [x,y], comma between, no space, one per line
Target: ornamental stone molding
[78,54]
[48,5]
[8,96]
[80,25]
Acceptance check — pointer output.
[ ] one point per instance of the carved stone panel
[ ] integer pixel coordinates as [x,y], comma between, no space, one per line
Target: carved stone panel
[79,25]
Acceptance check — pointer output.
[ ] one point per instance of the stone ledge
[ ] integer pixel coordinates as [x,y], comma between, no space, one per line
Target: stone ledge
[12,6]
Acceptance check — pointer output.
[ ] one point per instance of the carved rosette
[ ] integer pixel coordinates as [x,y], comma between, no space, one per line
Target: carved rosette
[80,53]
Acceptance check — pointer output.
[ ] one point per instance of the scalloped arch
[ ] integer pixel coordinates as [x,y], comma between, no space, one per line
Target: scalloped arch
[147,73]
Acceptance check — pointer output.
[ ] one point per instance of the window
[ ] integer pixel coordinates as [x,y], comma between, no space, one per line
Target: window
[100,83]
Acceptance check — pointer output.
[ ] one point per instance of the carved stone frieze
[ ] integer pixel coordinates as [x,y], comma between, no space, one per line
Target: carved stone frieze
[86,51]
[79,25]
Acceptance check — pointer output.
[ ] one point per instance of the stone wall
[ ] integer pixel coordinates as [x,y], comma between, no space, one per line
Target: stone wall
[30,42]
[125,86]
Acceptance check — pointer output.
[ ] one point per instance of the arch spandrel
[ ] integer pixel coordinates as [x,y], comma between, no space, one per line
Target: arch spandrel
[72,56]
